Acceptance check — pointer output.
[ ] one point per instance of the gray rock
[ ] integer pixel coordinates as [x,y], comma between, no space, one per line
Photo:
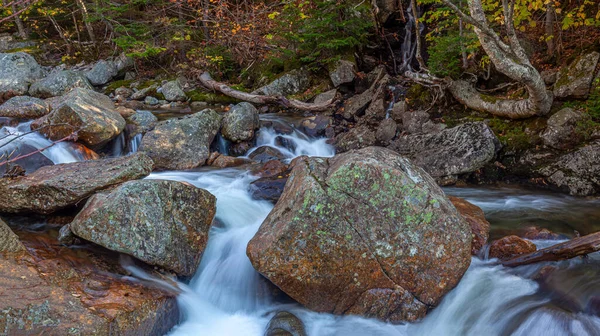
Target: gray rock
[17,71]
[364,233]
[173,91]
[182,143]
[141,122]
[386,131]
[344,72]
[399,110]
[576,79]
[9,241]
[52,188]
[149,100]
[549,76]
[89,113]
[102,72]
[7,42]
[24,107]
[458,150]
[577,172]
[315,126]
[294,82]
[431,127]
[285,323]
[163,223]
[561,129]
[356,138]
[326,97]
[412,122]
[240,122]
[357,104]
[59,83]
[141,94]
[386,9]
[123,64]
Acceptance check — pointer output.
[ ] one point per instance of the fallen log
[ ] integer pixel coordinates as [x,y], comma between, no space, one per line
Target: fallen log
[570,249]
[212,84]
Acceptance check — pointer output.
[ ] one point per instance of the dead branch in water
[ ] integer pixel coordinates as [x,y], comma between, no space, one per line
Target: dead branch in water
[579,246]
[211,84]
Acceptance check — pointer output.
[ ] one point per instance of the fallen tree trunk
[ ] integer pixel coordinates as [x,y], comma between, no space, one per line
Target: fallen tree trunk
[212,84]
[575,247]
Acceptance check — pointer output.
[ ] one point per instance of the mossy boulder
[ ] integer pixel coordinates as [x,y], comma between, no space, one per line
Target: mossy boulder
[397,252]
[59,83]
[575,80]
[291,83]
[163,223]
[17,71]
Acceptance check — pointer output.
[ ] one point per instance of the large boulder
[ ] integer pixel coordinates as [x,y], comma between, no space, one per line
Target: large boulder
[480,227]
[17,71]
[393,256]
[182,143]
[240,122]
[173,91]
[9,241]
[458,150]
[577,172]
[560,133]
[575,80]
[102,72]
[24,107]
[163,223]
[343,72]
[52,188]
[60,291]
[293,82]
[59,83]
[89,113]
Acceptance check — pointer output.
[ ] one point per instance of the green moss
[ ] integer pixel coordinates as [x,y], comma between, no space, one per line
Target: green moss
[117,84]
[210,97]
[418,95]
[489,99]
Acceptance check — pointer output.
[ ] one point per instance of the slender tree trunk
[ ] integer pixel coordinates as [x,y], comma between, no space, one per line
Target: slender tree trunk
[417,35]
[86,20]
[463,50]
[19,22]
[549,27]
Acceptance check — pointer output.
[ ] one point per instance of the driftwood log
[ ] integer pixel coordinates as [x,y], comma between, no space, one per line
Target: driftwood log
[212,84]
[570,249]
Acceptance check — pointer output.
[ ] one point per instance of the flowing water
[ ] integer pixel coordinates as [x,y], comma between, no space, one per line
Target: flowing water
[227,297]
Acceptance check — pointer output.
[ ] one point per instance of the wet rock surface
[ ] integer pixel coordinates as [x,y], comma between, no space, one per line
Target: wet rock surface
[163,223]
[285,324]
[24,107]
[182,143]
[59,83]
[399,250]
[240,122]
[510,247]
[480,227]
[56,187]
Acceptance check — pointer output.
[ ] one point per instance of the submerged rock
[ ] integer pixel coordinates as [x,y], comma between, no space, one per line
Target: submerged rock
[576,79]
[480,227]
[400,248]
[453,151]
[56,187]
[17,71]
[266,153]
[182,143]
[163,223]
[510,247]
[88,113]
[285,324]
[240,123]
[24,107]
[59,83]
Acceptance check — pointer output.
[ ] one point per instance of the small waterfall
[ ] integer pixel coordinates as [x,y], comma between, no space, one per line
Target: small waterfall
[135,142]
[118,145]
[409,46]
[300,144]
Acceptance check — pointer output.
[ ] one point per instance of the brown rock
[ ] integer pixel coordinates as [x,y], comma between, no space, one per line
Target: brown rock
[538,233]
[510,247]
[9,242]
[270,168]
[224,161]
[480,227]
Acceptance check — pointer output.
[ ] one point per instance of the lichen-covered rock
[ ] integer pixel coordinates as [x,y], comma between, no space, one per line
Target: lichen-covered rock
[89,113]
[240,122]
[293,82]
[510,247]
[163,223]
[458,150]
[173,91]
[577,172]
[560,133]
[59,83]
[402,246]
[24,107]
[343,72]
[325,97]
[52,188]
[141,122]
[576,79]
[480,227]
[356,138]
[182,143]
[17,71]
[102,72]
[60,291]
[9,241]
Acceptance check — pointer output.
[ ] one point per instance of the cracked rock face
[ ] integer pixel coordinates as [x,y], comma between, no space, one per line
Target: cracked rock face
[365,233]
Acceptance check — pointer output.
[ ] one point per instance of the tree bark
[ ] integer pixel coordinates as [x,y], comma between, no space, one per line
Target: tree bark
[549,27]
[417,36]
[575,247]
[86,20]
[19,22]
[510,59]
[211,84]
